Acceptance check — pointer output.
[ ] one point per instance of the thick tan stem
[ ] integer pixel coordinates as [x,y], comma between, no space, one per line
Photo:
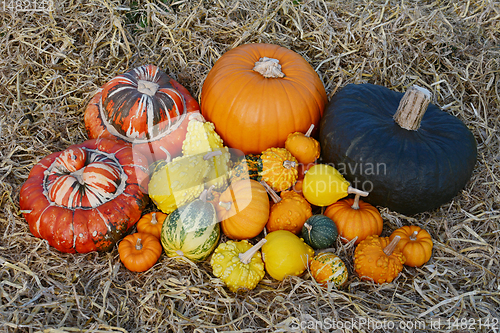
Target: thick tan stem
[352,190]
[147,87]
[392,245]
[289,164]
[276,198]
[269,68]
[206,193]
[355,205]
[78,174]
[226,205]
[309,131]
[413,236]
[246,257]
[154,220]
[138,245]
[412,108]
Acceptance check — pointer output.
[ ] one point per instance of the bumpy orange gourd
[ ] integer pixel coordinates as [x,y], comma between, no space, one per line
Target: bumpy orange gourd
[303,147]
[151,223]
[416,244]
[256,94]
[328,267]
[289,212]
[279,168]
[378,259]
[355,218]
[243,209]
[140,251]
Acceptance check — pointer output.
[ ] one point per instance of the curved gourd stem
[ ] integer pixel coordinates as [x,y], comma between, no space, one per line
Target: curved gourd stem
[276,198]
[246,257]
[211,154]
[206,193]
[168,159]
[309,228]
[289,164]
[138,245]
[269,68]
[309,131]
[412,108]
[154,220]
[413,236]
[355,205]
[352,190]
[392,245]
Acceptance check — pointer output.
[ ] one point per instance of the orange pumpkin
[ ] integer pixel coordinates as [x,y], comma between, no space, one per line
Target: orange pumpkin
[416,244]
[151,223]
[355,218]
[279,168]
[379,260]
[268,91]
[304,148]
[140,251]
[289,212]
[243,209]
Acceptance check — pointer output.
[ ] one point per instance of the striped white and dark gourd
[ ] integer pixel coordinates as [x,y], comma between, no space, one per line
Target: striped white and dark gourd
[191,231]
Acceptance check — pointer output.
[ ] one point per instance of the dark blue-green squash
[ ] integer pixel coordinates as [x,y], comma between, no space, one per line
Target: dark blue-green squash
[319,231]
[407,170]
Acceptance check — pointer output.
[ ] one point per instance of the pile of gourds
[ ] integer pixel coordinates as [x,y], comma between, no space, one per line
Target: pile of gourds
[244,164]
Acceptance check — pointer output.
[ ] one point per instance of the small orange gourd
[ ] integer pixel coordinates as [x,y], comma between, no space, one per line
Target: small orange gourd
[140,251]
[378,259]
[416,244]
[243,209]
[289,212]
[151,223]
[279,168]
[355,218]
[303,147]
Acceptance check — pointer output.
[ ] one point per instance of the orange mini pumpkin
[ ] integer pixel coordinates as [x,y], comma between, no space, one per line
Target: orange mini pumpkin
[289,212]
[151,223]
[243,209]
[303,147]
[261,86]
[416,244]
[140,251]
[355,218]
[379,260]
[279,168]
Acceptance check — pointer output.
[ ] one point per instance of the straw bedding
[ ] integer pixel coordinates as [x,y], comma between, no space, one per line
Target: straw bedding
[51,63]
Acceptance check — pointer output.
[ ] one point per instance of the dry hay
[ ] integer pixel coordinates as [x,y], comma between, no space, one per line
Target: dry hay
[51,63]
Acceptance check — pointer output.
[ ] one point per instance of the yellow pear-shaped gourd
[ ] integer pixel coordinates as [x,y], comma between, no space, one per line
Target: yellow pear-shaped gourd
[178,182]
[285,254]
[201,138]
[238,264]
[323,185]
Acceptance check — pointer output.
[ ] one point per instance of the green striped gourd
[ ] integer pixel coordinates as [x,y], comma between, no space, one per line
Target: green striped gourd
[191,230]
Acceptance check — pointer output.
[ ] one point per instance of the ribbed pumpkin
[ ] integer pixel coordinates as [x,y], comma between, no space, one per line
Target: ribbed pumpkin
[416,244]
[145,107]
[151,223]
[243,209]
[355,218]
[319,232]
[191,231]
[86,197]
[328,268]
[140,251]
[256,94]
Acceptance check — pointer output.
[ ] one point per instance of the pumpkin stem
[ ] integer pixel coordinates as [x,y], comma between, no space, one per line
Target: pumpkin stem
[355,205]
[206,193]
[352,190]
[138,245]
[276,198]
[211,154]
[309,131]
[78,174]
[226,205]
[412,108]
[246,257]
[269,68]
[413,236]
[147,87]
[289,164]
[392,245]
[154,220]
